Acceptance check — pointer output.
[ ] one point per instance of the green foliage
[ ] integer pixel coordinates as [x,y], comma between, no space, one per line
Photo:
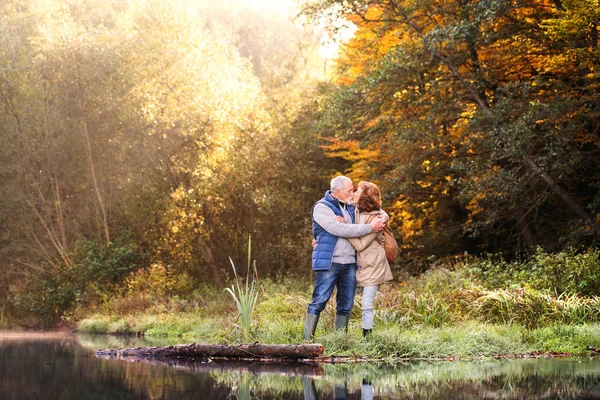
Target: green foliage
[94,325]
[245,297]
[92,276]
[566,338]
[576,22]
[106,266]
[569,271]
[158,282]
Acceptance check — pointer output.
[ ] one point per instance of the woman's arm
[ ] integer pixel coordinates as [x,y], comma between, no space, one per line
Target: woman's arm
[361,243]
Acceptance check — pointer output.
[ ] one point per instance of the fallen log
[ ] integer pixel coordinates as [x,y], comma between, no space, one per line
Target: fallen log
[242,351]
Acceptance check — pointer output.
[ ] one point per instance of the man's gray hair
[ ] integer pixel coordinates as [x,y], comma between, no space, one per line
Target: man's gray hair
[339,183]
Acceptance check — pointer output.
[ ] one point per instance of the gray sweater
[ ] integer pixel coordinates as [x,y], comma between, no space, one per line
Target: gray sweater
[344,253]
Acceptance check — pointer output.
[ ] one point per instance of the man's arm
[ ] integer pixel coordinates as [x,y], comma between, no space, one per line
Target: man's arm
[325,217]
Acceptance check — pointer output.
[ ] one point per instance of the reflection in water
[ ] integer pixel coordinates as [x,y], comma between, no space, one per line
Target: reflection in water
[64,367]
[94,342]
[340,390]
[366,390]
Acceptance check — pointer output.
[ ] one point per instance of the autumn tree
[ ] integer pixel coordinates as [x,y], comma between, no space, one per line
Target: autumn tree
[462,111]
[124,120]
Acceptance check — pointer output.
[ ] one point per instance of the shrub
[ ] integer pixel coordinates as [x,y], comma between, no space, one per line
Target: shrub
[532,308]
[245,297]
[94,325]
[158,281]
[568,271]
[93,274]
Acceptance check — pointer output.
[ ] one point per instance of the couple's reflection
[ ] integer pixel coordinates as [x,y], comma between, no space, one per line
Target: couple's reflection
[340,392]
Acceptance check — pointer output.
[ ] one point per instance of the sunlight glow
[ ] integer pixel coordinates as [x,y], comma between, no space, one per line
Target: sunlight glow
[279,5]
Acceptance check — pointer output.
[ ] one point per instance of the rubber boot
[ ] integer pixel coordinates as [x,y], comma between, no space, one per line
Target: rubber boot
[367,332]
[310,326]
[341,322]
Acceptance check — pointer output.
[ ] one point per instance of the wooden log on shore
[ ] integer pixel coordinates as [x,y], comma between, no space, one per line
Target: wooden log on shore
[242,351]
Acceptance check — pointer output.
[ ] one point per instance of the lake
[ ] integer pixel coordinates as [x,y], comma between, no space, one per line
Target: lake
[63,366]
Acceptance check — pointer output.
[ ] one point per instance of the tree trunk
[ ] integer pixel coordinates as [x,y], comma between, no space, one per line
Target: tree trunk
[242,351]
[60,213]
[210,259]
[101,204]
[526,234]
[86,135]
[51,235]
[563,195]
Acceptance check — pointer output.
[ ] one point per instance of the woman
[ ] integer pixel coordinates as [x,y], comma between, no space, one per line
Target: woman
[373,266]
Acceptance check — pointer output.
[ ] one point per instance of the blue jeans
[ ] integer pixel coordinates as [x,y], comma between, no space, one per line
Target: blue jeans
[342,276]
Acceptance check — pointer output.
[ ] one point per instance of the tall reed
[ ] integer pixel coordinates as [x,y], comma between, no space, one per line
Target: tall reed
[245,297]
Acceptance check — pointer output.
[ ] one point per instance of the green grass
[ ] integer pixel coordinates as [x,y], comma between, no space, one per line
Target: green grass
[443,313]
[464,341]
[185,326]
[95,324]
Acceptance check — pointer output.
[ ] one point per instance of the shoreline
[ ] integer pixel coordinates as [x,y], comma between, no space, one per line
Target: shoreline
[62,333]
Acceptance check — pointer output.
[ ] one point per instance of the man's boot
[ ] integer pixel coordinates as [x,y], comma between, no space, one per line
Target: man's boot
[310,326]
[367,332]
[341,322]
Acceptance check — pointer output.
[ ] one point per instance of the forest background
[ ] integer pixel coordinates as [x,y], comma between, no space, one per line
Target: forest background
[142,142]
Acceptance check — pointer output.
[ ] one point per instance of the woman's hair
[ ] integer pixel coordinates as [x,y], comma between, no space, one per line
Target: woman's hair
[370,198]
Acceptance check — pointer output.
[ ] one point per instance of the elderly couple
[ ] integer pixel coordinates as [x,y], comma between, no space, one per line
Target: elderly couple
[344,223]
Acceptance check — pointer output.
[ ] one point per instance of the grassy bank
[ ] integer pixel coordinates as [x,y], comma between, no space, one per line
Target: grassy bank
[450,311]
[465,340]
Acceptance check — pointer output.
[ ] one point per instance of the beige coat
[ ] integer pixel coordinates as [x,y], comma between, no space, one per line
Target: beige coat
[374,268]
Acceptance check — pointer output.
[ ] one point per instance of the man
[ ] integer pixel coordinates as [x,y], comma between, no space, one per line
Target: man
[333,257]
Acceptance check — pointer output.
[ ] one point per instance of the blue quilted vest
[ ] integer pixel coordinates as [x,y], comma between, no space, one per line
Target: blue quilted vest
[322,254]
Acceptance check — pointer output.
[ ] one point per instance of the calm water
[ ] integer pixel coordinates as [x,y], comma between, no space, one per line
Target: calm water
[36,366]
